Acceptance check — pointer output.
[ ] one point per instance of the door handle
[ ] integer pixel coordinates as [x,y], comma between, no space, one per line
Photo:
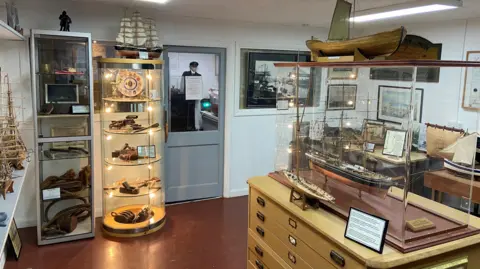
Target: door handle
[292,223]
[260,216]
[165,124]
[292,258]
[337,258]
[292,240]
[260,231]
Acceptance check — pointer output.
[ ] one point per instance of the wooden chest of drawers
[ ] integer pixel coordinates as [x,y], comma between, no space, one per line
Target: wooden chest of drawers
[283,236]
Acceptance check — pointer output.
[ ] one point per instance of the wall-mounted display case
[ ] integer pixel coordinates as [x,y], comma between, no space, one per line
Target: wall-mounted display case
[133,137]
[373,144]
[61,73]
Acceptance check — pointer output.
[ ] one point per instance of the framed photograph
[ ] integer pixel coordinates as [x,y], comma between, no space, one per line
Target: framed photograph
[394,143]
[373,131]
[368,147]
[341,97]
[69,131]
[471,88]
[394,102]
[342,73]
[14,242]
[424,74]
[265,84]
[146,151]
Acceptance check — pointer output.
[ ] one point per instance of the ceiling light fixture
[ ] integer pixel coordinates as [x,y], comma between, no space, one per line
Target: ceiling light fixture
[409,8]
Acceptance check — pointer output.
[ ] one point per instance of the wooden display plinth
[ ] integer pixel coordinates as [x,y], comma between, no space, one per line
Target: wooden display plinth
[153,224]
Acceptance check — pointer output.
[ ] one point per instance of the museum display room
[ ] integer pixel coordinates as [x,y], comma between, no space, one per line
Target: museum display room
[300,144]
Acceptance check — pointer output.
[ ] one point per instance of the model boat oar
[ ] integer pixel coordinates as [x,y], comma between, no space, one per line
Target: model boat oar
[156,125]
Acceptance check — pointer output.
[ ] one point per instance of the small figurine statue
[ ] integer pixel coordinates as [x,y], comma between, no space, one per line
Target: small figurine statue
[65,22]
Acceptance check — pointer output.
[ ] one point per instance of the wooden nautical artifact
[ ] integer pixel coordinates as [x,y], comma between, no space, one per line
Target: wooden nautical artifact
[340,44]
[128,217]
[418,225]
[66,220]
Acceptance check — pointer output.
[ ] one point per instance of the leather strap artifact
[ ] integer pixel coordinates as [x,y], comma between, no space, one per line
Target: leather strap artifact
[70,185]
[66,220]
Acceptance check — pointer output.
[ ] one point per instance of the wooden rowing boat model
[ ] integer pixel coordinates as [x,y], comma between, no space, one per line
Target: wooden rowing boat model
[381,44]
[339,42]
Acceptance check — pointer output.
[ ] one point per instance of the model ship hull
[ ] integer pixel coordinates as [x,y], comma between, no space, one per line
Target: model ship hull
[381,44]
[460,169]
[135,53]
[348,177]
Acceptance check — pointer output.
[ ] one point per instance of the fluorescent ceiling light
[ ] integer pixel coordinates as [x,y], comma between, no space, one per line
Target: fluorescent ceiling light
[411,8]
[156,1]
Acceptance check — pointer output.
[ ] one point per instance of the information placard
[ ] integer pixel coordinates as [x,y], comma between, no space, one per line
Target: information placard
[366,229]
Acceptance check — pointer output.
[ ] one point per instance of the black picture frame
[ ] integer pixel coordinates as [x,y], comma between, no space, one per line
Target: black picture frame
[329,95]
[419,108]
[254,77]
[384,233]
[14,242]
[146,151]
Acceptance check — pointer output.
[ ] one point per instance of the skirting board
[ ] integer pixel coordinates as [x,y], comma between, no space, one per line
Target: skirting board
[238,192]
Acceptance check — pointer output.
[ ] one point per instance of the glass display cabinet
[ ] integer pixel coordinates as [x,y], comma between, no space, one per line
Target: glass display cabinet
[380,137]
[132,146]
[61,74]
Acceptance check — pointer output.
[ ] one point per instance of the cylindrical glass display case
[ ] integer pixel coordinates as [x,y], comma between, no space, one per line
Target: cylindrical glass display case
[132,146]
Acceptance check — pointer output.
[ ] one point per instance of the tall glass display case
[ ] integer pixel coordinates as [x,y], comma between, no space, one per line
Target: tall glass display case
[61,75]
[379,135]
[132,146]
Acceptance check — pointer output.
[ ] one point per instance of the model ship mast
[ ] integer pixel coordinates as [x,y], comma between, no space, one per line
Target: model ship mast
[153,42]
[139,35]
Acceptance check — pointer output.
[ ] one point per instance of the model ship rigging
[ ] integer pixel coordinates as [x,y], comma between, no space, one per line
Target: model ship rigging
[340,44]
[137,35]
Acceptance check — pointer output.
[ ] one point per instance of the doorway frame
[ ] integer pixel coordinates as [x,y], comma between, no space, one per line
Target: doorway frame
[224,147]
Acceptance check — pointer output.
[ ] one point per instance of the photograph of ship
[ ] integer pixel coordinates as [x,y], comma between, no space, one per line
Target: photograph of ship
[394,102]
[265,83]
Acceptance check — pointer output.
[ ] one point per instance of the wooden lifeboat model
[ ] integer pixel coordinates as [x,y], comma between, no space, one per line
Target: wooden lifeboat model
[380,44]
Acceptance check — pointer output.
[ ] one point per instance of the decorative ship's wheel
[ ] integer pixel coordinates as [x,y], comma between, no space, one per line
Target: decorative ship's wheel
[129,83]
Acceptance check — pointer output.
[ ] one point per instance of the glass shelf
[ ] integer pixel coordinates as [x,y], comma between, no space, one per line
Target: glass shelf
[139,162]
[61,156]
[132,100]
[83,227]
[85,193]
[54,116]
[144,191]
[122,132]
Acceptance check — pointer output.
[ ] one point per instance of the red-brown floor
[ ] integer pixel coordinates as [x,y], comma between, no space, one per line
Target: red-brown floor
[206,234]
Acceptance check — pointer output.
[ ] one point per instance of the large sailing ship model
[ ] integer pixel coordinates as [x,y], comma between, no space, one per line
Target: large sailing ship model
[340,44]
[460,157]
[137,35]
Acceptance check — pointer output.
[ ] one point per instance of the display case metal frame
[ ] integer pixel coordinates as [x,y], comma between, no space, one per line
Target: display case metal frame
[38,141]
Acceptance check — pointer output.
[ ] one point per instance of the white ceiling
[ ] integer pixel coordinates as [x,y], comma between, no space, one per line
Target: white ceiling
[287,12]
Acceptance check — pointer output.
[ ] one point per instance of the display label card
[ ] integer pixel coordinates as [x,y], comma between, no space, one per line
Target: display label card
[366,229]
[394,143]
[143,55]
[282,105]
[193,87]
[50,194]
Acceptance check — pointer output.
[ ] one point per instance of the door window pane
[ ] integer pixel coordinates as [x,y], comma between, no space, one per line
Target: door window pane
[193,91]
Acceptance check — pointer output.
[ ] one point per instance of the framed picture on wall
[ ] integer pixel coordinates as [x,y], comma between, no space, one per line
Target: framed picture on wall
[341,73]
[471,88]
[373,131]
[341,97]
[394,102]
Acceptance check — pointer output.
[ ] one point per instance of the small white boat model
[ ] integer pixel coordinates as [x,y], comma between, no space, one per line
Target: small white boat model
[460,156]
[307,187]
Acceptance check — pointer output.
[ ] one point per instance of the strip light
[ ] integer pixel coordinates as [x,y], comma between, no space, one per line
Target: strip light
[410,8]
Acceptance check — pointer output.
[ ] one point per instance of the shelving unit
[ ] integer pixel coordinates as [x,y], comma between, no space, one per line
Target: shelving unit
[8,33]
[63,141]
[133,203]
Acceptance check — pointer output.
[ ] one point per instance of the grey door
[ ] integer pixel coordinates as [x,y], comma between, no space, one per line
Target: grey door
[194,148]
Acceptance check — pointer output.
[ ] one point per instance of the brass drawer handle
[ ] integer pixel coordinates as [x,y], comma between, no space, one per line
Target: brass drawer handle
[292,240]
[260,201]
[259,251]
[258,264]
[337,258]
[260,231]
[292,223]
[292,258]
[260,216]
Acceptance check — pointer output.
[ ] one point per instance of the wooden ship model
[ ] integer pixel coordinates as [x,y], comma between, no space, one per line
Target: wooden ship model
[138,35]
[339,42]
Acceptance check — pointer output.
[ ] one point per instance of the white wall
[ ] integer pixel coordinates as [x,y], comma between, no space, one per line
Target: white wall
[249,135]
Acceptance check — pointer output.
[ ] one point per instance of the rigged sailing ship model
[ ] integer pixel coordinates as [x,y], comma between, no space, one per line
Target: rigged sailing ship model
[138,35]
[340,44]
[12,148]
[460,157]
